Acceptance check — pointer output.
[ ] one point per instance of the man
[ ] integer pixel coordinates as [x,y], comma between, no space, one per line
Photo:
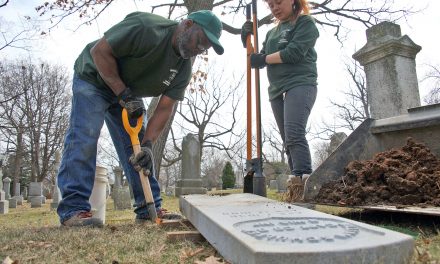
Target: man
[142,56]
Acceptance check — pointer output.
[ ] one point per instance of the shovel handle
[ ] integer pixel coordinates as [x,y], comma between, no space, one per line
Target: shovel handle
[133,132]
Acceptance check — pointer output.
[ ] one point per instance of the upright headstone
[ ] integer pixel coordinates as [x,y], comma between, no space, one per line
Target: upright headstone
[7,188]
[4,204]
[282,182]
[120,194]
[35,196]
[191,180]
[56,194]
[273,185]
[17,195]
[118,176]
[390,68]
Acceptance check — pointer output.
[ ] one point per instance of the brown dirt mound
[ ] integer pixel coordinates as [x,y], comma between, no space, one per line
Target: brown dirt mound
[401,176]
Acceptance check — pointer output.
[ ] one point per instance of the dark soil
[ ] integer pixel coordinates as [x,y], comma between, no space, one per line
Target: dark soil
[401,176]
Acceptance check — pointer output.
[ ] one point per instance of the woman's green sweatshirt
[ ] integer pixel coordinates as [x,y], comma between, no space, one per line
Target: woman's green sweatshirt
[295,42]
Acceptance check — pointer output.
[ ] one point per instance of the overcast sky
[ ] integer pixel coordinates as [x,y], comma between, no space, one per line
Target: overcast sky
[63,45]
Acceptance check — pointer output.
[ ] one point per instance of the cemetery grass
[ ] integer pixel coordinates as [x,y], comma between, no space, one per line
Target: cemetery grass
[33,235]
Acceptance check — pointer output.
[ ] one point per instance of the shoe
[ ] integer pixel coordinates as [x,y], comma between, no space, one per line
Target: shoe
[305,177]
[295,189]
[83,219]
[161,214]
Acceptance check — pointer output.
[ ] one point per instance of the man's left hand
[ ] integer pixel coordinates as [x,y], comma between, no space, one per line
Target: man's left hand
[258,60]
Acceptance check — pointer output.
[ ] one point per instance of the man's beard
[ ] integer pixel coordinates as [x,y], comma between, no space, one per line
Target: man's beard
[182,41]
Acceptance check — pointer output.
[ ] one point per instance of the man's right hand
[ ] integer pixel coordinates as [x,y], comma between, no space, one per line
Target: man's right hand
[246,29]
[144,159]
[134,105]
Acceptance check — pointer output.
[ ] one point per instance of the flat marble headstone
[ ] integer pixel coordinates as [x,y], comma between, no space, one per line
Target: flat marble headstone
[246,228]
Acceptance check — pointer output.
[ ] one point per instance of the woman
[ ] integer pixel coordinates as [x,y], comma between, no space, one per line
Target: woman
[289,54]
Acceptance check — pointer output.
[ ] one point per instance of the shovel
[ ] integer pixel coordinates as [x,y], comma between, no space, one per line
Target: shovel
[133,132]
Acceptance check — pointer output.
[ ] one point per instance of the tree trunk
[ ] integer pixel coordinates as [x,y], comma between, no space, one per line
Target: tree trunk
[161,141]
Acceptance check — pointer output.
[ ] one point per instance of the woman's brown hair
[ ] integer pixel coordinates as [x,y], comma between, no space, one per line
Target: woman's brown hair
[300,6]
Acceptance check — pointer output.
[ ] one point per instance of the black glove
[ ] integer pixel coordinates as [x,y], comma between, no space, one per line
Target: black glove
[246,29]
[258,60]
[144,160]
[134,105]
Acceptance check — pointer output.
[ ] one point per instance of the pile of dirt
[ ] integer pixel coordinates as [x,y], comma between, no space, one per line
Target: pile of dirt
[402,176]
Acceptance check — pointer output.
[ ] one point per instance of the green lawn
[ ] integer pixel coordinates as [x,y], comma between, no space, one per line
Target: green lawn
[34,236]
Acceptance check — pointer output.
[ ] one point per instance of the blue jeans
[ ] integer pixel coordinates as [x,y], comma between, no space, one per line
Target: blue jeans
[91,106]
[291,112]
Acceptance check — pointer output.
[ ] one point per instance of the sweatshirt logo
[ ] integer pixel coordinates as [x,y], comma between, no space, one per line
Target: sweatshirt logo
[283,37]
[173,73]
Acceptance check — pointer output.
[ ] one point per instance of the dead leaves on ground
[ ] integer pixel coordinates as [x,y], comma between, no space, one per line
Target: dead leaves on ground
[211,260]
[207,254]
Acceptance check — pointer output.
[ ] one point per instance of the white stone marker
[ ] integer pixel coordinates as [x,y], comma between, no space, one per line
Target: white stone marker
[246,228]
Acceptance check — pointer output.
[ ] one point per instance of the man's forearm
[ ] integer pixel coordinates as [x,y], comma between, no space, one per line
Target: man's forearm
[107,67]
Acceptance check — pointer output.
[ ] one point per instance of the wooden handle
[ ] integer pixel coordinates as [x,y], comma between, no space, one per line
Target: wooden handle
[133,132]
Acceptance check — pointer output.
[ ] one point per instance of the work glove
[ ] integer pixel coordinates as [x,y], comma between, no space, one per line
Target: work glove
[134,105]
[246,29]
[258,60]
[144,160]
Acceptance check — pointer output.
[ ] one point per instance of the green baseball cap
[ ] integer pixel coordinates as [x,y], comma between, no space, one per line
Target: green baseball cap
[212,26]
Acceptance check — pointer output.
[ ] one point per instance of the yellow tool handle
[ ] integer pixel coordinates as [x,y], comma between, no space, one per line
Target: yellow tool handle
[133,132]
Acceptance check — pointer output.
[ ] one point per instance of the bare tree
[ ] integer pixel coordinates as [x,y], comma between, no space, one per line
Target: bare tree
[208,103]
[4,3]
[107,155]
[37,119]
[212,166]
[19,35]
[328,13]
[321,152]
[433,97]
[12,118]
[171,170]
[352,110]
[277,149]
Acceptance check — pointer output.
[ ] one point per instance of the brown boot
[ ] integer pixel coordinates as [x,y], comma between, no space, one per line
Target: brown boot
[295,190]
[83,219]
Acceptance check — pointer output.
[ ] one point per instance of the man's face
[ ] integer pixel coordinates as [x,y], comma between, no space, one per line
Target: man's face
[192,41]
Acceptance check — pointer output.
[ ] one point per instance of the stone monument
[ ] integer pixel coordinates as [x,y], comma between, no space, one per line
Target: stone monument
[120,194]
[4,204]
[7,188]
[17,194]
[35,196]
[390,68]
[247,228]
[56,194]
[191,180]
[273,185]
[282,182]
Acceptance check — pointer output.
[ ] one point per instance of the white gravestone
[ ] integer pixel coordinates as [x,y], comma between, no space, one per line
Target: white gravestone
[246,228]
